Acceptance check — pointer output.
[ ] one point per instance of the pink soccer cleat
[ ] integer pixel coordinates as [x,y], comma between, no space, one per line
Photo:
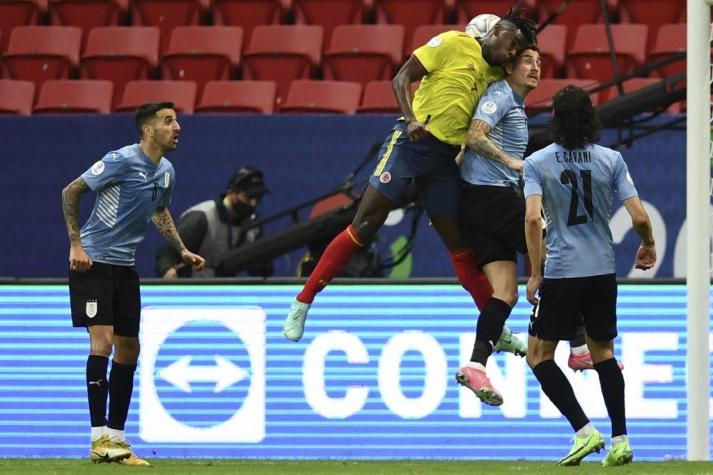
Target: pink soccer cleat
[584,361]
[477,381]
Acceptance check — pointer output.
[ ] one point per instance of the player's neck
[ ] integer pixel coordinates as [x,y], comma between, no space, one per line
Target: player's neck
[521,90]
[152,151]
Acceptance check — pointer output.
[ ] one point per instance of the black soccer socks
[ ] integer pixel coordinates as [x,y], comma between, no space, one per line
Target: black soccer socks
[97,389]
[612,383]
[556,386]
[488,330]
[121,385]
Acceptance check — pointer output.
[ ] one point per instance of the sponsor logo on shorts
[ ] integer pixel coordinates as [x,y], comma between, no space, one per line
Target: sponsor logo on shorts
[91,308]
[385,177]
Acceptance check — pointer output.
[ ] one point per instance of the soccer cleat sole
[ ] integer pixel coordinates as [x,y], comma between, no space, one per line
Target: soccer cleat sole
[575,459]
[105,458]
[485,395]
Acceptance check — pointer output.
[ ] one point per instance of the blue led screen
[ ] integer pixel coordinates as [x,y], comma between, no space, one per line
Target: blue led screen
[373,378]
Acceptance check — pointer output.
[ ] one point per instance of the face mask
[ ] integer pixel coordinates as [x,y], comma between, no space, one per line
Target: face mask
[242,211]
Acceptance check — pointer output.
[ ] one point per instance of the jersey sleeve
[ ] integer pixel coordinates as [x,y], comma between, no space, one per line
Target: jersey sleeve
[533,181]
[623,183]
[105,172]
[167,195]
[434,54]
[492,106]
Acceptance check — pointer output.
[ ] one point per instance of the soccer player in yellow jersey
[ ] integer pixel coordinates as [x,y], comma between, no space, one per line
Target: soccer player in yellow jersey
[454,69]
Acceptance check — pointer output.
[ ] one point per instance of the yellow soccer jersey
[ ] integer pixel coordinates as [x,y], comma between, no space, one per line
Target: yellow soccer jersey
[457,77]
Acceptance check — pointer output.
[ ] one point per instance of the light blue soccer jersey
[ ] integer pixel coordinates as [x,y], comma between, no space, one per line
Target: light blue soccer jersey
[502,109]
[129,188]
[577,189]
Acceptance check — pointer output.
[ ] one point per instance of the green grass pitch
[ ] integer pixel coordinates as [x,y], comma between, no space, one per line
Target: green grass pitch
[254,467]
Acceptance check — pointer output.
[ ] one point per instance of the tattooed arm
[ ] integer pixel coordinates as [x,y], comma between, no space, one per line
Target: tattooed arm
[78,259]
[164,223]
[479,142]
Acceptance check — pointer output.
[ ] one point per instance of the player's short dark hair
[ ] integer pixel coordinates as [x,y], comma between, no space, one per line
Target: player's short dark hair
[526,26]
[575,122]
[147,112]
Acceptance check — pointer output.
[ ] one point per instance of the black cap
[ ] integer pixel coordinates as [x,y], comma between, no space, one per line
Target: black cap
[248,180]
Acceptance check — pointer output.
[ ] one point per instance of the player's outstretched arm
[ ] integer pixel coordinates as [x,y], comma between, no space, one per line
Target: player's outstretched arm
[78,259]
[533,236]
[410,72]
[164,223]
[479,142]
[646,255]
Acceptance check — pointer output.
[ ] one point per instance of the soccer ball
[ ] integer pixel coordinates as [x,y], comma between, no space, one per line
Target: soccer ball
[481,25]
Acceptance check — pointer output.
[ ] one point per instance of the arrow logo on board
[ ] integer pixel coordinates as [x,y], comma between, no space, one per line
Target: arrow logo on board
[224,373]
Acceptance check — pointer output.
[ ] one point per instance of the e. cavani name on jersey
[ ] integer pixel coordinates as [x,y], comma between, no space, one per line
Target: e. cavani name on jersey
[574,156]
[457,76]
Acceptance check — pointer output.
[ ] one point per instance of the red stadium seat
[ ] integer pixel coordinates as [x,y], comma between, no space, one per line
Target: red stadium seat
[16,97]
[121,54]
[540,98]
[328,14]
[423,33]
[574,15]
[181,93]
[38,53]
[410,14]
[326,205]
[17,13]
[247,14]
[322,97]
[203,53]
[282,54]
[551,42]
[86,14]
[671,39]
[590,57]
[257,97]
[468,9]
[652,13]
[363,53]
[379,98]
[78,96]
[166,15]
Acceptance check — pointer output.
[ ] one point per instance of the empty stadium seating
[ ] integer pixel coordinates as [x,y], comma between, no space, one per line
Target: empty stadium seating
[165,15]
[120,54]
[379,98]
[282,53]
[671,38]
[410,13]
[247,14]
[238,96]
[86,14]
[468,9]
[551,42]
[590,57]
[652,13]
[181,93]
[67,96]
[540,98]
[328,14]
[16,97]
[575,14]
[17,13]
[331,97]
[202,54]
[38,53]
[363,53]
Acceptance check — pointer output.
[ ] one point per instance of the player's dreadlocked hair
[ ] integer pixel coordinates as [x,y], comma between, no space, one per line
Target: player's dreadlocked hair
[526,26]
[575,122]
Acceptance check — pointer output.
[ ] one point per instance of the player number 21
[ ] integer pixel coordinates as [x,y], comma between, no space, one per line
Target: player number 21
[568,176]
